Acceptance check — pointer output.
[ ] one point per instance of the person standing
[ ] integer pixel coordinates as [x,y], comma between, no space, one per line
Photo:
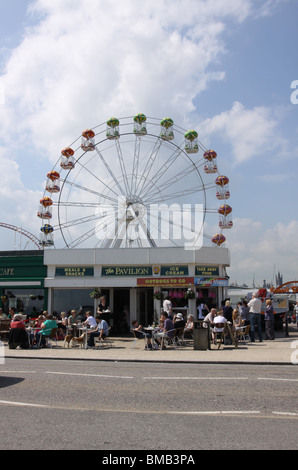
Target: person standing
[269,320]
[228,311]
[167,307]
[255,306]
[296,312]
[244,312]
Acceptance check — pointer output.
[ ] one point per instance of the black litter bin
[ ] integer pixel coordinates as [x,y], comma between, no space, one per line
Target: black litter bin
[201,335]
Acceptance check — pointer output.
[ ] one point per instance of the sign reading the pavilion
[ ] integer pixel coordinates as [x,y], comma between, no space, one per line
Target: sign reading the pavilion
[207,271]
[127,271]
[75,272]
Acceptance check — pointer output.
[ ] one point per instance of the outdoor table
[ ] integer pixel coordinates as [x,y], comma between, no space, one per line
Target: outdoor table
[29,330]
[152,330]
[83,329]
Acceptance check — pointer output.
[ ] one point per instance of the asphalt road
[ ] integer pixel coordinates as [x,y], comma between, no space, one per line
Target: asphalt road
[48,404]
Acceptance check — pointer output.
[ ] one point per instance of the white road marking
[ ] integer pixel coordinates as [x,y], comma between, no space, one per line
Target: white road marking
[17,372]
[283,413]
[189,413]
[15,403]
[90,375]
[195,378]
[278,380]
[234,412]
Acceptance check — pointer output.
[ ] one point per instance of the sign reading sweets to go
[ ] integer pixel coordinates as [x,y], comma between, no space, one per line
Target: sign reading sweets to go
[127,271]
[75,272]
[207,271]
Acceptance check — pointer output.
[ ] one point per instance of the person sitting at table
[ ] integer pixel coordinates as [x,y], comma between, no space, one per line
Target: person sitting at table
[37,327]
[237,320]
[168,330]
[18,322]
[101,331]
[178,321]
[46,329]
[64,321]
[210,319]
[90,321]
[72,318]
[81,316]
[219,325]
[188,330]
[18,335]
[140,333]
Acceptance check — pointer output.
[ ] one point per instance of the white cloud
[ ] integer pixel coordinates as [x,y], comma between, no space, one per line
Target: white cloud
[256,250]
[250,132]
[85,60]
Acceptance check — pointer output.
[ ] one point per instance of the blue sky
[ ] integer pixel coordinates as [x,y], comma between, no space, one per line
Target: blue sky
[224,68]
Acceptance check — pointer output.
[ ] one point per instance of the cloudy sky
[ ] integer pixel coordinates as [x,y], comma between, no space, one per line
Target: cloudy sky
[222,68]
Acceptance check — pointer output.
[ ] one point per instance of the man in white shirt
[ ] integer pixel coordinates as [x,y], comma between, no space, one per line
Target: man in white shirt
[90,320]
[255,307]
[101,331]
[167,307]
[219,325]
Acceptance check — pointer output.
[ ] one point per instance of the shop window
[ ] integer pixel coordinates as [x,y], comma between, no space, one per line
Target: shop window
[28,301]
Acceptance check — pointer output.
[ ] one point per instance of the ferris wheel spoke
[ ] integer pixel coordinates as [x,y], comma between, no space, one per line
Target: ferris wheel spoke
[174,179]
[161,171]
[122,166]
[177,196]
[81,220]
[135,166]
[90,191]
[150,162]
[110,171]
[97,178]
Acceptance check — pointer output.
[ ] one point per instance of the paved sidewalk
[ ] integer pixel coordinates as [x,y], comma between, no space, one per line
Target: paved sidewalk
[280,351]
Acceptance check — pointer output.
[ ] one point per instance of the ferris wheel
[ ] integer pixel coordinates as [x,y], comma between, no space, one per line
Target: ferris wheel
[134,182]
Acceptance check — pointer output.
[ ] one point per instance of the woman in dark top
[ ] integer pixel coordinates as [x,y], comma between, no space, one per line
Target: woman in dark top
[228,311]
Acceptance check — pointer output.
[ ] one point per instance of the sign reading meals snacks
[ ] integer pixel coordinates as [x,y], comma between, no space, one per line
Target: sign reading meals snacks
[207,271]
[74,272]
[127,271]
[166,282]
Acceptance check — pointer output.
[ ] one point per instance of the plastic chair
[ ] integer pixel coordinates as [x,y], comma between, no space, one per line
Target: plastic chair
[179,336]
[136,339]
[170,339]
[220,334]
[104,340]
[242,334]
[52,335]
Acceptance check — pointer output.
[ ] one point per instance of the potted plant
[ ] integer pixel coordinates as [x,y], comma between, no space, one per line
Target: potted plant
[158,295]
[189,294]
[95,294]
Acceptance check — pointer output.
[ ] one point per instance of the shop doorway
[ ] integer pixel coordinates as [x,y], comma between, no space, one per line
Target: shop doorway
[145,306]
[120,314]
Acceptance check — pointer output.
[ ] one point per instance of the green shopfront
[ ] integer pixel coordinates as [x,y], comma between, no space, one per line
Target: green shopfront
[22,275]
